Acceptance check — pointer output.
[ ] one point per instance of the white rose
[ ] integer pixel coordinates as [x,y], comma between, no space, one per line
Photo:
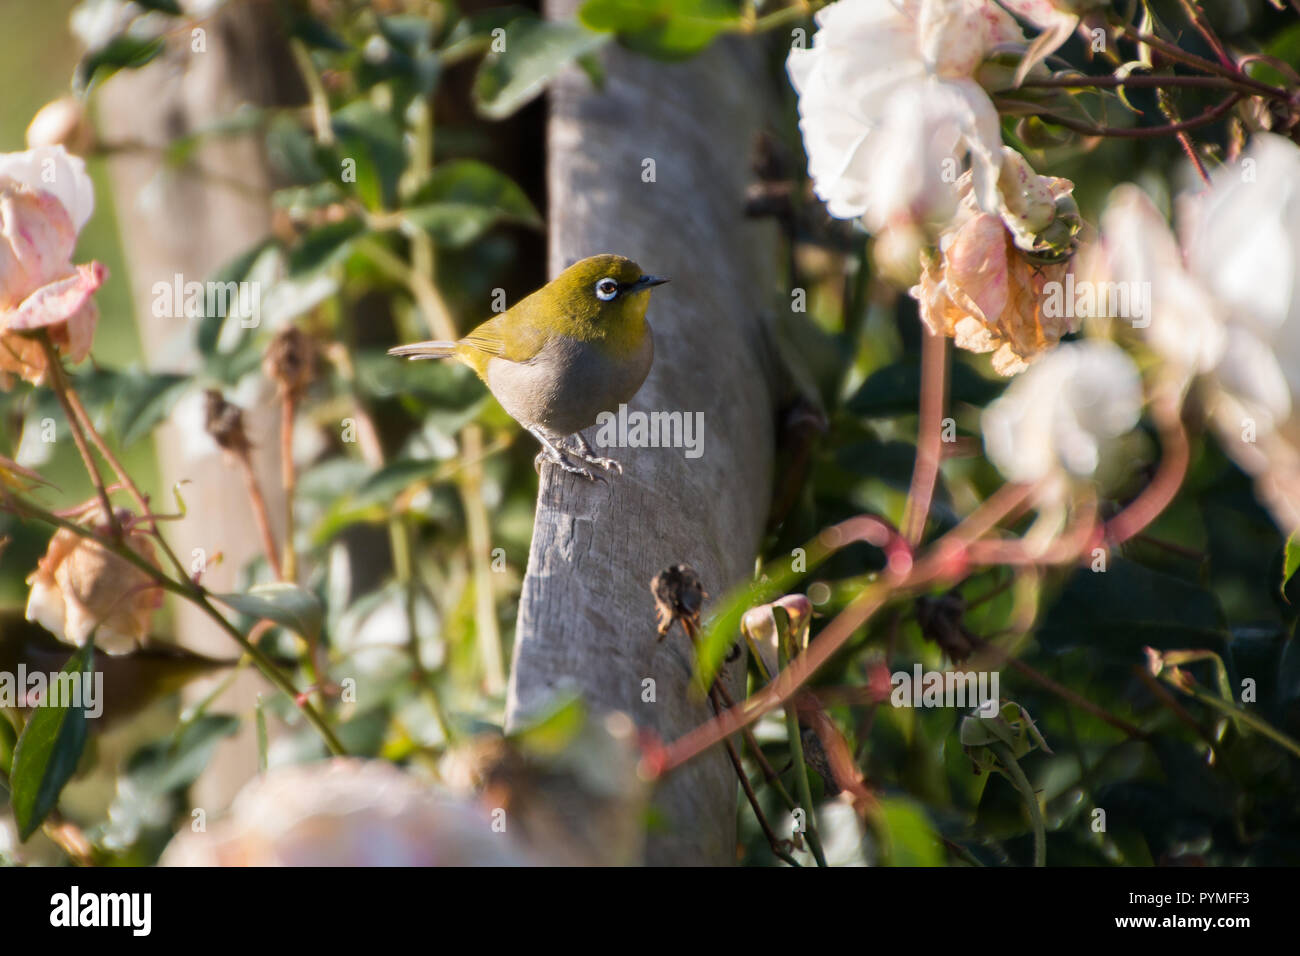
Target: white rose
[345,812]
[1060,411]
[888,106]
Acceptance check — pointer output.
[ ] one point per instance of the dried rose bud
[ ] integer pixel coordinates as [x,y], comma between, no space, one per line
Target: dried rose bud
[940,620]
[80,588]
[290,361]
[679,595]
[224,421]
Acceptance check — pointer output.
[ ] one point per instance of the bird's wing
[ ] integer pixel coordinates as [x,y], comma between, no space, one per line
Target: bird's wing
[506,336]
[487,338]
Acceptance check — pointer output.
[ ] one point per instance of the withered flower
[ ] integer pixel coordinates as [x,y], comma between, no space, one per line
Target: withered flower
[224,421]
[679,596]
[987,287]
[81,588]
[290,361]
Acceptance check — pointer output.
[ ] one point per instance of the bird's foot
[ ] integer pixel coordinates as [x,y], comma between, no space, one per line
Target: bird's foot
[561,462]
[583,451]
[608,464]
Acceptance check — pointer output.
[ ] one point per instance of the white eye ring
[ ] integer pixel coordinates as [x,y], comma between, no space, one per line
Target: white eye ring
[606,289]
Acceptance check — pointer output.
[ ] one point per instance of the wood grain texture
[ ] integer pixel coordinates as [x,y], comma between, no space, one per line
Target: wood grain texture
[586,617]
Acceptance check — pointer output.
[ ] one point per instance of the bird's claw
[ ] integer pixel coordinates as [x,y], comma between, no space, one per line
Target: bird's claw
[583,451]
[608,464]
[564,465]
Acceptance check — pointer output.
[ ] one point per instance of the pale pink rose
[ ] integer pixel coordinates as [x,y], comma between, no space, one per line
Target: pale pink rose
[45,198]
[347,812]
[987,287]
[1225,305]
[1056,418]
[81,588]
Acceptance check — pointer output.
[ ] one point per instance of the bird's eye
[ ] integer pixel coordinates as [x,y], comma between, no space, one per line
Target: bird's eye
[606,289]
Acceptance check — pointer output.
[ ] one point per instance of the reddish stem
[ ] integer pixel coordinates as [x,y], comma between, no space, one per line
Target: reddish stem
[945,560]
[929,438]
[1155,497]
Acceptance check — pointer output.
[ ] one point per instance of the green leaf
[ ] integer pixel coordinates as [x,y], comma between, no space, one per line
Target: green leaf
[895,389]
[288,605]
[236,270]
[8,738]
[262,745]
[168,765]
[667,29]
[123,52]
[394,478]
[324,246]
[1285,46]
[1290,561]
[908,837]
[1118,611]
[535,51]
[144,400]
[373,139]
[162,6]
[46,754]
[317,34]
[553,730]
[291,150]
[463,198]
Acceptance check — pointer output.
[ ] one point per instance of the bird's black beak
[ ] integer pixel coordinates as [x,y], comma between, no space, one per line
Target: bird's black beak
[645,282]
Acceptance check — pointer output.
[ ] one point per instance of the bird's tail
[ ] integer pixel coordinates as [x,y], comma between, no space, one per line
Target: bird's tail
[425,350]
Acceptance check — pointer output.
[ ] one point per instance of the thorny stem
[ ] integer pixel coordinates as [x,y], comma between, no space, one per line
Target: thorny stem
[1194,690]
[1197,16]
[1175,52]
[195,594]
[942,560]
[124,477]
[1156,496]
[770,776]
[1170,112]
[1212,115]
[948,559]
[1139,81]
[320,101]
[288,481]
[59,381]
[784,650]
[772,840]
[929,447]
[261,516]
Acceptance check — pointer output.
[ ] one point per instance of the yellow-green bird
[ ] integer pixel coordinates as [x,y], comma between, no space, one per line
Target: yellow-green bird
[576,347]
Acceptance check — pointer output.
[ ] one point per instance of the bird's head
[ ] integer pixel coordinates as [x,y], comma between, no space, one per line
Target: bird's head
[601,298]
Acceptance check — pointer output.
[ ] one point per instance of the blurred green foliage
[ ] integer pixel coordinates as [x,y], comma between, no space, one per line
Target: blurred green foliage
[426,104]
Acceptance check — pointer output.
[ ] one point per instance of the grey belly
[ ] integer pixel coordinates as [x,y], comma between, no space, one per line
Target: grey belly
[567,385]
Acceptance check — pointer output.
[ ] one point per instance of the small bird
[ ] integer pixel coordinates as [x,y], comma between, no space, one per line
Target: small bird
[576,347]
